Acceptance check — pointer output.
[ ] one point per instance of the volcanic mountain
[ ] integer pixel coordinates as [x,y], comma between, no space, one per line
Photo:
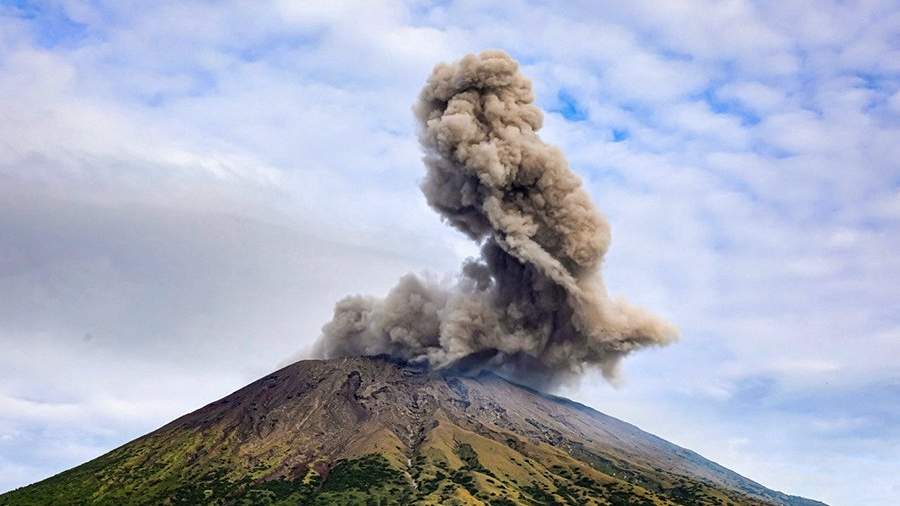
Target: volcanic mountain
[376,431]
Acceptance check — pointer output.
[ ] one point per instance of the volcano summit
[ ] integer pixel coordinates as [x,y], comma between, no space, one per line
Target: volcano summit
[359,431]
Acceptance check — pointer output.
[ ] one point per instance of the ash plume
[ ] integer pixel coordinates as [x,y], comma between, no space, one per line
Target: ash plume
[533,306]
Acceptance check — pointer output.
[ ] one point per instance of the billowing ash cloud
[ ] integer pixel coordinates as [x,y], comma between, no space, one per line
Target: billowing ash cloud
[534,305]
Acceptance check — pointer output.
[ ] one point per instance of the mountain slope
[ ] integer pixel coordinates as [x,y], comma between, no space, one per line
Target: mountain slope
[371,431]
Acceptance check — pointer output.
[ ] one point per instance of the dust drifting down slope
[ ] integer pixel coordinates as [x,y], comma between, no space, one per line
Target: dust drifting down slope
[534,305]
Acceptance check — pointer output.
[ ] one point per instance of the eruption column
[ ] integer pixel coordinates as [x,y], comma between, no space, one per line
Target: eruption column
[533,306]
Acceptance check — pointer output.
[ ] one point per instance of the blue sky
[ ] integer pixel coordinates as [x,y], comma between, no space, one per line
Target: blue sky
[186,189]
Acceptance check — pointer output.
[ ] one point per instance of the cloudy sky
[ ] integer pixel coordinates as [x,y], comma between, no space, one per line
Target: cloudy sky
[187,187]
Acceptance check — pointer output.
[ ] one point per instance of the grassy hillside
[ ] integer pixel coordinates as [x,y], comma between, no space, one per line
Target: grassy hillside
[453,466]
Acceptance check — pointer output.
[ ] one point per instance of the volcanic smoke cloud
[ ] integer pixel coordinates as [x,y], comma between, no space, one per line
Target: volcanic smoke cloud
[534,305]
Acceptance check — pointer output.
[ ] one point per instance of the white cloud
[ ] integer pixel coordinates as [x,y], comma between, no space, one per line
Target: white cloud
[757,96]
[894,102]
[722,130]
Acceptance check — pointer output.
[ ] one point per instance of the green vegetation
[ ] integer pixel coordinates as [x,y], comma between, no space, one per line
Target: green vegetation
[369,480]
[364,481]
[179,469]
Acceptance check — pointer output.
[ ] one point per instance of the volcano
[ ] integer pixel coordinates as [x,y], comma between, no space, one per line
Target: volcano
[372,430]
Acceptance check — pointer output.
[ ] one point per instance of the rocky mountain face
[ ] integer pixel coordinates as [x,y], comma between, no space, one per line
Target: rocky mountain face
[372,431]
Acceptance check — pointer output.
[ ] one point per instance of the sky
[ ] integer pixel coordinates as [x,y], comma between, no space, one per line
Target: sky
[186,188]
